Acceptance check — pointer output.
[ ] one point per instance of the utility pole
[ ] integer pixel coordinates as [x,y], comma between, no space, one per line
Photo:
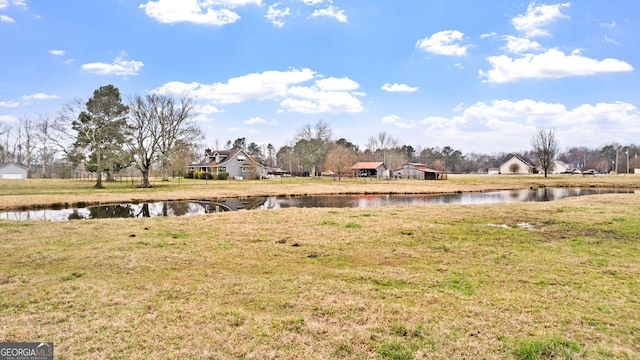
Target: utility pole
[627,152]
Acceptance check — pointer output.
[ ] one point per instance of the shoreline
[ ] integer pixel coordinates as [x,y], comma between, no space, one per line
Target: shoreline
[69,194]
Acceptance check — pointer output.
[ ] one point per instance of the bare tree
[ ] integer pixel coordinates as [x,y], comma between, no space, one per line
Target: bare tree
[4,148]
[312,145]
[27,142]
[45,151]
[161,128]
[382,144]
[178,128]
[340,160]
[545,148]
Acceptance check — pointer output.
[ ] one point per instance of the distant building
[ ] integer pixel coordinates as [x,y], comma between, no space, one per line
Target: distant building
[369,169]
[516,165]
[560,167]
[418,171]
[235,162]
[13,171]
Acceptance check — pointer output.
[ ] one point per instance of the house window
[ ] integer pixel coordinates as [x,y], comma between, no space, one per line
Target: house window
[247,169]
[222,169]
[241,158]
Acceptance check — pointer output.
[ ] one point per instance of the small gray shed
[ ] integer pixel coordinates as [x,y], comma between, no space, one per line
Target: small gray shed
[12,171]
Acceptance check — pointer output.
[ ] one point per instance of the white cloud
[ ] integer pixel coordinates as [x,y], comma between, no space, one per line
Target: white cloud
[7,3]
[9,104]
[207,109]
[395,87]
[230,3]
[332,12]
[5,18]
[260,121]
[312,2]
[194,11]
[505,125]
[390,118]
[335,84]
[458,107]
[488,35]
[525,111]
[516,45]
[57,52]
[610,25]
[444,43]
[40,96]
[255,86]
[551,64]
[398,122]
[119,66]
[311,100]
[300,106]
[276,16]
[325,95]
[537,17]
[8,118]
[610,40]
[255,120]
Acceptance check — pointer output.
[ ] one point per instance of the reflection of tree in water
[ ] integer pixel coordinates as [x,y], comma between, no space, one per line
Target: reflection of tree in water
[233,204]
[545,196]
[111,211]
[104,212]
[181,208]
[178,208]
[76,215]
[144,211]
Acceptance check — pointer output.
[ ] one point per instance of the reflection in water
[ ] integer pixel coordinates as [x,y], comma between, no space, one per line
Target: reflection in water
[182,208]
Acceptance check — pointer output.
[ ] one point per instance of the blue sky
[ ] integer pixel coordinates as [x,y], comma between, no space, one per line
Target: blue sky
[480,76]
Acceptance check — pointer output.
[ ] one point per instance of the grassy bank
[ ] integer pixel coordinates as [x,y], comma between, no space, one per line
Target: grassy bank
[43,192]
[520,281]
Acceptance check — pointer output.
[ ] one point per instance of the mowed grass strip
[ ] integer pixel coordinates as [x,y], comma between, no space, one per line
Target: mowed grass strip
[504,281]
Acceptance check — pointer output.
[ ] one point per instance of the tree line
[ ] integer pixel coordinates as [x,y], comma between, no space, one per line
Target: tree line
[106,134]
[157,132]
[314,150]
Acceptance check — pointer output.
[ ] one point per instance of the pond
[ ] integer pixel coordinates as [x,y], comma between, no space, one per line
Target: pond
[184,208]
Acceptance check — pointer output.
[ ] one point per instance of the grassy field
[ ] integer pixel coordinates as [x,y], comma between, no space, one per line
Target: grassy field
[506,281]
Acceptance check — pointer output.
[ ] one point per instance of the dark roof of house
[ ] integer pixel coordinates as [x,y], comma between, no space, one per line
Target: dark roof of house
[228,155]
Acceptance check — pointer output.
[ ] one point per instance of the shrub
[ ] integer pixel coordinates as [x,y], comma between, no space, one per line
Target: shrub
[189,175]
[223,176]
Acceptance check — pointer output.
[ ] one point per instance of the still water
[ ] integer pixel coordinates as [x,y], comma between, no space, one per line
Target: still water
[184,208]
